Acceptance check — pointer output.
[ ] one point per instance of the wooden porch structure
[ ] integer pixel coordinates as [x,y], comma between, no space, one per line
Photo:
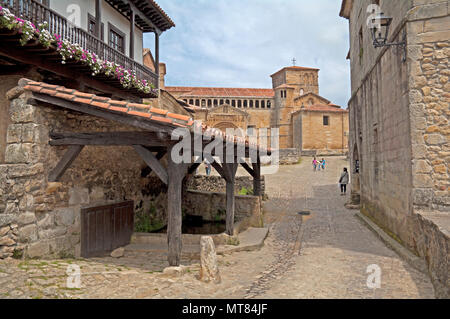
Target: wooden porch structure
[152,144]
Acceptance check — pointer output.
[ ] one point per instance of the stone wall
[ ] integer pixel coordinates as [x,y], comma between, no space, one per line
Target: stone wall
[217,184]
[289,156]
[42,219]
[399,129]
[429,93]
[212,207]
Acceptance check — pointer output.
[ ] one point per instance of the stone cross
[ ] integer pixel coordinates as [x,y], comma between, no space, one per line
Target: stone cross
[294,61]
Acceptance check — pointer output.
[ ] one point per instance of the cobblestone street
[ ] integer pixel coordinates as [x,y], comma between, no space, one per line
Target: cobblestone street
[324,255]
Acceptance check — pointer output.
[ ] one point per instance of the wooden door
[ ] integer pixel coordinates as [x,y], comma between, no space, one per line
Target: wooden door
[106,228]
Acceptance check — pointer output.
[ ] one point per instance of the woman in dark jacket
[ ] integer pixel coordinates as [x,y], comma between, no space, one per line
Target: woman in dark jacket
[344,181]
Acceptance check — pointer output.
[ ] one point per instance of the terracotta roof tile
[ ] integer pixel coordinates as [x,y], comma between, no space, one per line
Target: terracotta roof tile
[101,99]
[221,92]
[48,92]
[146,115]
[84,101]
[36,89]
[85,95]
[118,103]
[100,104]
[64,90]
[139,106]
[179,116]
[65,96]
[118,109]
[159,111]
[162,119]
[49,86]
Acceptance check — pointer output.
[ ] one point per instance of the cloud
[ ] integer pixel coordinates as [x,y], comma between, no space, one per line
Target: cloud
[240,43]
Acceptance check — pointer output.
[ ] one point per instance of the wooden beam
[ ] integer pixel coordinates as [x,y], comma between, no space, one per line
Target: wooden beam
[257,177]
[153,163]
[219,169]
[193,168]
[107,139]
[157,57]
[65,162]
[230,169]
[177,172]
[247,168]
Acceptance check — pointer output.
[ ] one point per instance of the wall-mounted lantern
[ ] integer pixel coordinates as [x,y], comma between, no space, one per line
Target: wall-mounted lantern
[380,33]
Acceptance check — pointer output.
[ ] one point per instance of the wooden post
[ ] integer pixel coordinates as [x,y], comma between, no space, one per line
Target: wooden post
[132,17]
[157,57]
[176,174]
[98,18]
[257,177]
[230,173]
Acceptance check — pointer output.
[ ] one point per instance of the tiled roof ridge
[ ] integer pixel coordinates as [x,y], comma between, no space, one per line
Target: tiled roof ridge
[321,108]
[160,116]
[222,91]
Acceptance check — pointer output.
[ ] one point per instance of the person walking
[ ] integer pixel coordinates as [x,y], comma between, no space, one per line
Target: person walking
[207,167]
[314,162]
[344,181]
[323,163]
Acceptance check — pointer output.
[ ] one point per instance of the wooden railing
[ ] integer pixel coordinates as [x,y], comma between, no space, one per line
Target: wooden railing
[37,13]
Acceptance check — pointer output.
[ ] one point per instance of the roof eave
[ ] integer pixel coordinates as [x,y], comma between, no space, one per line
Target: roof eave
[346,8]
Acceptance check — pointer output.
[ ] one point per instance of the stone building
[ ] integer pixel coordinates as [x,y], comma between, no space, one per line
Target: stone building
[307,122]
[399,126]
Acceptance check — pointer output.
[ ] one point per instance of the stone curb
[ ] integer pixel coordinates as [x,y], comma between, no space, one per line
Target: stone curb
[256,244]
[416,262]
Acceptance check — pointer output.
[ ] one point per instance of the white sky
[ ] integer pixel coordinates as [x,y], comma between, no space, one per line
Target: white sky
[240,43]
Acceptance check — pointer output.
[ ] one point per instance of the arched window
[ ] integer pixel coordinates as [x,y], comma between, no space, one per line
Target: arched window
[197,102]
[245,103]
[251,103]
[257,104]
[263,104]
[203,103]
[216,103]
[221,102]
[233,103]
[209,103]
[239,103]
[191,102]
[227,102]
[269,104]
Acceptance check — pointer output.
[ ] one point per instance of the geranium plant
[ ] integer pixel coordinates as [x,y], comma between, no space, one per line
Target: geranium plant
[72,51]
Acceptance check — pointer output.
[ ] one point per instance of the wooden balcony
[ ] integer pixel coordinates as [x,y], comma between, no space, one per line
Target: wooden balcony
[50,59]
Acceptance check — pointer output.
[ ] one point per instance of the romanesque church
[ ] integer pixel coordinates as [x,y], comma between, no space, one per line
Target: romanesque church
[307,122]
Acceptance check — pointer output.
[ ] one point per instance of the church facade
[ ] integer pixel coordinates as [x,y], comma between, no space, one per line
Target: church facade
[306,121]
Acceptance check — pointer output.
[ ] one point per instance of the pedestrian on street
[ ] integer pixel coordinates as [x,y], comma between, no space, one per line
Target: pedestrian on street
[207,167]
[314,162]
[323,163]
[344,181]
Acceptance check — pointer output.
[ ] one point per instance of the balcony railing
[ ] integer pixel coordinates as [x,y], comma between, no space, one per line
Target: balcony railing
[37,13]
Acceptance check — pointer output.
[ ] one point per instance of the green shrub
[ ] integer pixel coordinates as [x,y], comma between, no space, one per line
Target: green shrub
[146,221]
[244,191]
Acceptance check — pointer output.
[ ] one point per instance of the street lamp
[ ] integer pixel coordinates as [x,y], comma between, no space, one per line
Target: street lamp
[380,32]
